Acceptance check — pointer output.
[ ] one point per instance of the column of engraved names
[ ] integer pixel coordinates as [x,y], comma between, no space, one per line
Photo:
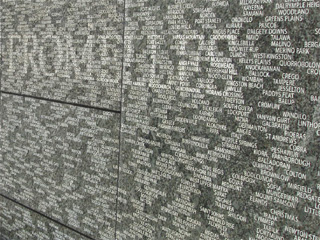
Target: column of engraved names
[170,57]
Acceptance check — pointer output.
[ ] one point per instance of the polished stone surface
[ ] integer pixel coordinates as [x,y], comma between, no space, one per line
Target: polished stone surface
[64,50]
[18,223]
[61,161]
[220,127]
[219,121]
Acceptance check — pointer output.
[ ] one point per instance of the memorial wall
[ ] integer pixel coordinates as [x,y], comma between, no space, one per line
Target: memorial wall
[160,119]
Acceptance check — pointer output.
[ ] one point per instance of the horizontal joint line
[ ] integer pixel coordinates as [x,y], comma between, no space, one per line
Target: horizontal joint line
[62,102]
[43,215]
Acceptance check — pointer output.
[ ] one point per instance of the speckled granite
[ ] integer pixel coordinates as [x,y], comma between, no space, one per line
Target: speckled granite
[64,50]
[61,160]
[17,222]
[220,118]
[220,127]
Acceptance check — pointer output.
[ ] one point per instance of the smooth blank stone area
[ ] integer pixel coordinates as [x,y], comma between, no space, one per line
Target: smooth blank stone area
[61,160]
[220,121]
[19,223]
[63,50]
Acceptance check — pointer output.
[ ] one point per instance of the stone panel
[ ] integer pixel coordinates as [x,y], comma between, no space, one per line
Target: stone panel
[61,160]
[64,50]
[17,222]
[220,127]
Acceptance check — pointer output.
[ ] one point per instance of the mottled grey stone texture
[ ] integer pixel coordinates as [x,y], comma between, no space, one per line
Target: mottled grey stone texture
[18,223]
[219,126]
[64,50]
[62,161]
[213,138]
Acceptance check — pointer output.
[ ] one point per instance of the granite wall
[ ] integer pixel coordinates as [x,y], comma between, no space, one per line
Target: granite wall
[171,119]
